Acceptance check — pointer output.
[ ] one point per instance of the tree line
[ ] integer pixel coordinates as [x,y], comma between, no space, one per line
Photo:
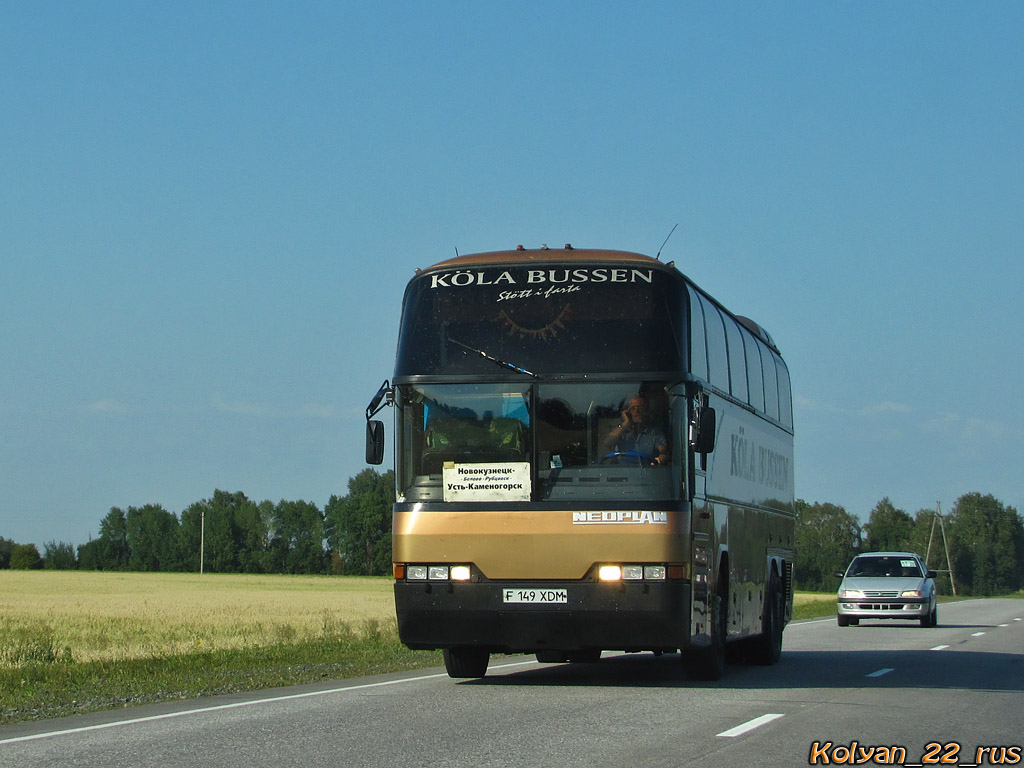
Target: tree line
[235,534]
[984,538]
[352,535]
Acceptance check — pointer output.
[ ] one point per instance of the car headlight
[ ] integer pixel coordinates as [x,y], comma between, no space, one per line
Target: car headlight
[911,593]
[848,593]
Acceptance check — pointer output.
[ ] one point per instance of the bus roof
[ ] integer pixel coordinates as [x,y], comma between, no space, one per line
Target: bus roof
[546,255]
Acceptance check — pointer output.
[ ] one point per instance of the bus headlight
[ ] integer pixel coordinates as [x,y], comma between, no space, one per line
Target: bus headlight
[437,572]
[654,572]
[416,572]
[460,573]
[632,572]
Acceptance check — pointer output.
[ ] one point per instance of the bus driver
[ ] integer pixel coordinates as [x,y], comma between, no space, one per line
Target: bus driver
[636,434]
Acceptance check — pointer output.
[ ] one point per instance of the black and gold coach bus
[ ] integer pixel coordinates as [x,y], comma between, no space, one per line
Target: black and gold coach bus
[591,454]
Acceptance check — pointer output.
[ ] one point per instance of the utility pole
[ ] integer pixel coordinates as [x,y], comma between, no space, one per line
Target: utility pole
[202,537]
[945,545]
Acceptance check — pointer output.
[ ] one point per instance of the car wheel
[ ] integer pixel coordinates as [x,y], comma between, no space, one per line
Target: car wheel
[843,621]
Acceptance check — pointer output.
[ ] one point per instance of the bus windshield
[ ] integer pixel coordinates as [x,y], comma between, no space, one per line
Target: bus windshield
[551,441]
[552,320]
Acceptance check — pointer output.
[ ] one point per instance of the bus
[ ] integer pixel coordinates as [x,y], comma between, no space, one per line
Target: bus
[591,453]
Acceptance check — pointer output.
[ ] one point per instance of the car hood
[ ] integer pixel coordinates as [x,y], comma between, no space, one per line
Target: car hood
[884,583]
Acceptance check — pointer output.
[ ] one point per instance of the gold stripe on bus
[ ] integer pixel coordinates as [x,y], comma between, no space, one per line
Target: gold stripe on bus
[531,545]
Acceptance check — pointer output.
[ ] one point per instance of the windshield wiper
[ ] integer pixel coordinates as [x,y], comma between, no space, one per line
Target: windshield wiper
[493,359]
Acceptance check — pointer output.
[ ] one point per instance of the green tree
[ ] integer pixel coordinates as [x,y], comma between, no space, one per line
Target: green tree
[26,557]
[297,543]
[59,557]
[888,529]
[359,523]
[6,547]
[252,522]
[225,548]
[987,545]
[90,555]
[113,548]
[154,541]
[827,538]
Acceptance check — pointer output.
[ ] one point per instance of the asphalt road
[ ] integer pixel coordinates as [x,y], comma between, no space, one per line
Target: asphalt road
[940,694]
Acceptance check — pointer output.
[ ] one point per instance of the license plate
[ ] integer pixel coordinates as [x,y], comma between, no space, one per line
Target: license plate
[535,596]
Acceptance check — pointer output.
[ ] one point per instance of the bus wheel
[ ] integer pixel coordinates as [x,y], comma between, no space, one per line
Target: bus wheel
[589,656]
[709,663]
[466,662]
[767,648]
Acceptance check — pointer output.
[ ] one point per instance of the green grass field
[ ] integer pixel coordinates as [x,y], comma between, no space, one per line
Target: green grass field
[73,642]
[80,617]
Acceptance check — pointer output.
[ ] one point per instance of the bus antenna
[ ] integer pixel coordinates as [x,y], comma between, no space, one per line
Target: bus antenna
[666,240]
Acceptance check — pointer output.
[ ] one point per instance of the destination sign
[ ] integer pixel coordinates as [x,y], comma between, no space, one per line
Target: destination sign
[493,481]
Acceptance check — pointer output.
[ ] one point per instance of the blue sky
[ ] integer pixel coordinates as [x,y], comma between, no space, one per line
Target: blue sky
[209,211]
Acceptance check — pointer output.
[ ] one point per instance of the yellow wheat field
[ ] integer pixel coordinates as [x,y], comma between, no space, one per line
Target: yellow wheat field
[112,616]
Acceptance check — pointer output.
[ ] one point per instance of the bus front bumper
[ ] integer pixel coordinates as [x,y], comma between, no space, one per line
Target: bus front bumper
[523,616]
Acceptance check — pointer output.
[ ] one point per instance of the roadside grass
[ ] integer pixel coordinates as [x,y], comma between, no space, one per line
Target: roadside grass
[813,605]
[42,690]
[73,642]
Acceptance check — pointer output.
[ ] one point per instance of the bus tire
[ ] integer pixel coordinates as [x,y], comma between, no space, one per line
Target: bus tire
[588,656]
[767,647]
[466,662]
[709,663]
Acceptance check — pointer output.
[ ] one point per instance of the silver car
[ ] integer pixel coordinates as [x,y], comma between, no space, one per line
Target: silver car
[887,585]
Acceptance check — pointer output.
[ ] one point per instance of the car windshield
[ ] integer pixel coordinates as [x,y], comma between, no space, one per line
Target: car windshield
[883,566]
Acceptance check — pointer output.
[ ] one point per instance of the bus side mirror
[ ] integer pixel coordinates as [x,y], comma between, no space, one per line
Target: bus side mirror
[374,442]
[702,430]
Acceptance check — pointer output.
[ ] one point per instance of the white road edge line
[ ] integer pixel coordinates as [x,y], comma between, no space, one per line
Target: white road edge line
[977,634]
[750,725]
[939,648]
[236,705]
[880,672]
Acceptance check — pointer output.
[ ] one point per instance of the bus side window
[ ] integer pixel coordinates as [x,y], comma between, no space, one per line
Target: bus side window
[718,360]
[737,360]
[771,383]
[698,341]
